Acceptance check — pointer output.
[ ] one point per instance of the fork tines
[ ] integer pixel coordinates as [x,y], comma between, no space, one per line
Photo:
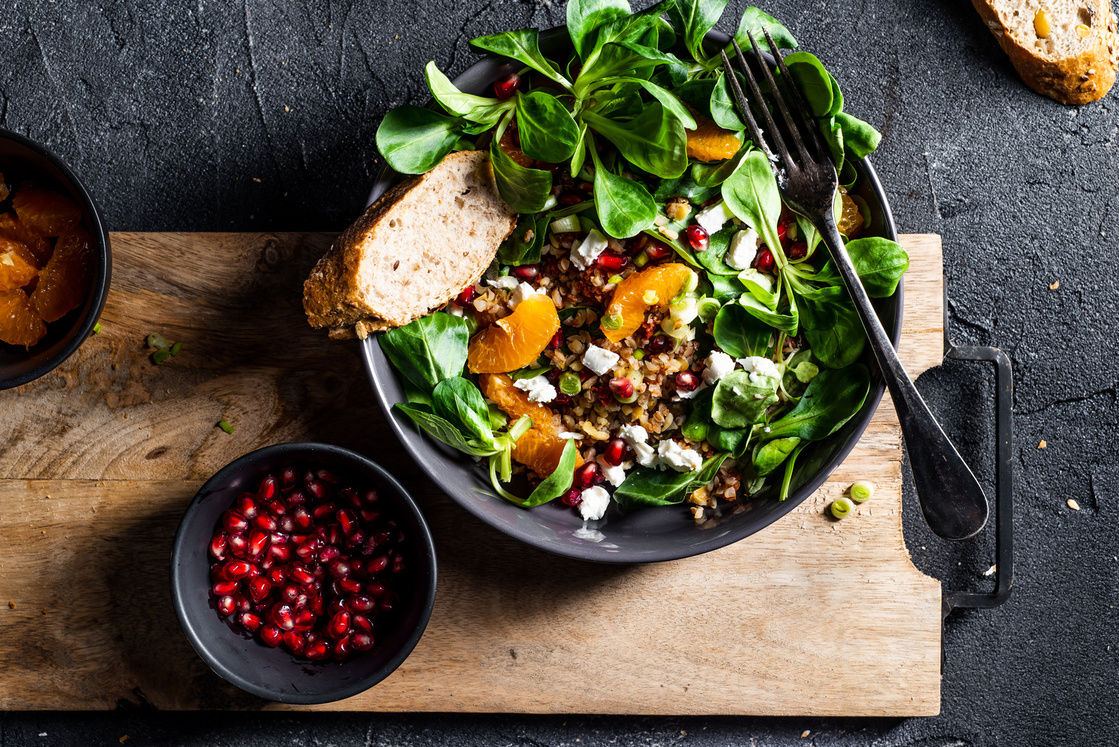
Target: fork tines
[802,129]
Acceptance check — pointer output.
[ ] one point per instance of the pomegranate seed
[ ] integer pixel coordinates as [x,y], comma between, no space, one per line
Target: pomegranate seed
[304,618]
[301,575]
[562,399]
[267,489]
[234,522]
[260,588]
[327,476]
[370,498]
[782,231]
[296,498]
[238,546]
[224,588]
[277,509]
[277,576]
[246,506]
[342,649]
[360,603]
[271,636]
[218,546]
[349,585]
[622,387]
[763,260]
[289,593]
[612,261]
[302,518]
[349,495]
[258,543]
[328,553]
[265,522]
[397,563]
[336,605]
[587,475]
[361,623]
[324,510]
[339,569]
[286,524]
[346,521]
[378,564]
[295,642]
[317,651]
[356,538]
[570,198]
[658,250]
[339,624]
[799,250]
[615,452]
[686,381]
[697,237]
[375,589]
[361,641]
[242,603]
[658,344]
[504,88]
[280,552]
[282,616]
[287,477]
[249,621]
[307,549]
[236,569]
[465,297]
[226,605]
[528,273]
[318,490]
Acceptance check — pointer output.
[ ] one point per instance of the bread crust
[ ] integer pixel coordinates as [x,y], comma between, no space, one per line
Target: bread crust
[333,296]
[1075,80]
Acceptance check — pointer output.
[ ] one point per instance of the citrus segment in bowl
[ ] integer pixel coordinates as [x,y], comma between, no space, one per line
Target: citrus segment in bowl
[652,287]
[19,324]
[516,340]
[45,212]
[65,280]
[15,270]
[541,446]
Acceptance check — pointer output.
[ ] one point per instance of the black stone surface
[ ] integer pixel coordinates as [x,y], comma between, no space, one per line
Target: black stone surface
[260,115]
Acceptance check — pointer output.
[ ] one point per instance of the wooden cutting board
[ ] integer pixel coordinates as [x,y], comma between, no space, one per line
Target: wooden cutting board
[99,458]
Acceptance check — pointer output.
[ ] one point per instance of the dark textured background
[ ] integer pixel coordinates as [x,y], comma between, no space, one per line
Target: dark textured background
[222,116]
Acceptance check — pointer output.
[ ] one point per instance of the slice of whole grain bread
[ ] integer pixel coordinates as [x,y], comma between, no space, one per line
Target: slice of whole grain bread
[413,250]
[1064,49]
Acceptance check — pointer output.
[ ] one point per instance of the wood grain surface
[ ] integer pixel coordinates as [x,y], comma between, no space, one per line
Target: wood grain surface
[99,458]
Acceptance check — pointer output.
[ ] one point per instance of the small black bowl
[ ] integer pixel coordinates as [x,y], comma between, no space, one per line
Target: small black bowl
[273,673]
[25,158]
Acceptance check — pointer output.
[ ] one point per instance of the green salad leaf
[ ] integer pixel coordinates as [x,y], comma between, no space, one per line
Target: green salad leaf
[428,350]
[651,487]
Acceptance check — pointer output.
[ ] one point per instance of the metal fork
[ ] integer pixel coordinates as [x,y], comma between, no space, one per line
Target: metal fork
[951,499]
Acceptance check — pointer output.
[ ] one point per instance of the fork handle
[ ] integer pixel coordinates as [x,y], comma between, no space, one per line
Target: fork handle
[951,498]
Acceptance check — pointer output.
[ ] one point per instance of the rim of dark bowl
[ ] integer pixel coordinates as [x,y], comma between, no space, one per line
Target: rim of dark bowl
[99,290]
[220,480]
[855,427]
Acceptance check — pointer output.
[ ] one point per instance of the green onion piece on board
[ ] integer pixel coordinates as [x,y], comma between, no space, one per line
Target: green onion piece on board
[97,328]
[158,341]
[861,491]
[176,348]
[225,426]
[840,507]
[160,356]
[570,384]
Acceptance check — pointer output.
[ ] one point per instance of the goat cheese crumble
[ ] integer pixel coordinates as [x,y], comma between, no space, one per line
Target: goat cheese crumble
[757,367]
[522,291]
[616,475]
[538,388]
[595,502]
[743,247]
[713,218]
[719,364]
[637,438]
[679,458]
[599,359]
[587,251]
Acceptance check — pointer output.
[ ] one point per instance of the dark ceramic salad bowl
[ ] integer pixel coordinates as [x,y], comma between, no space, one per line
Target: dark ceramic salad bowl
[644,535]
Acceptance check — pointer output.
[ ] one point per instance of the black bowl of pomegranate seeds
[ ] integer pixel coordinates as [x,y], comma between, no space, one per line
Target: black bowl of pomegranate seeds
[303,573]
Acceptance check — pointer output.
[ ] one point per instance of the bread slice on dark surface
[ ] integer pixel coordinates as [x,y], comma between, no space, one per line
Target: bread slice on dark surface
[1063,49]
[413,250]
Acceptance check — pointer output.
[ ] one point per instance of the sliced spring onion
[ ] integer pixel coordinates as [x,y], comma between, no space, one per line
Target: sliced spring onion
[158,341]
[840,507]
[97,328]
[570,384]
[567,224]
[160,356]
[176,348]
[641,260]
[225,426]
[708,308]
[861,491]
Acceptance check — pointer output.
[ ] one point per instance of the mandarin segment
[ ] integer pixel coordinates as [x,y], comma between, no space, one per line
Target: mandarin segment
[36,247]
[541,446]
[516,340]
[710,142]
[851,218]
[64,281]
[15,270]
[19,324]
[44,211]
[652,287]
